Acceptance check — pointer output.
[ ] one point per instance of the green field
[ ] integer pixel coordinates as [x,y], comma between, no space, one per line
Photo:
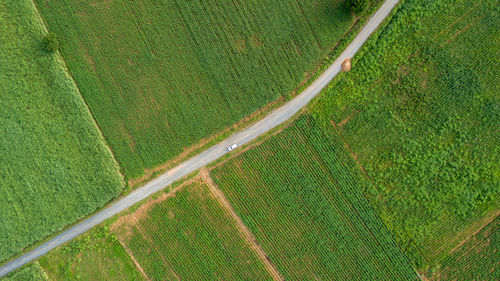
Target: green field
[188,236]
[476,259]
[95,256]
[420,112]
[300,195]
[32,272]
[159,77]
[54,164]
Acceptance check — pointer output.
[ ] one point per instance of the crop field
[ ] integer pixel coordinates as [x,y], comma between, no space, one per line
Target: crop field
[54,164]
[32,272]
[477,259]
[300,195]
[159,77]
[95,256]
[188,236]
[420,114]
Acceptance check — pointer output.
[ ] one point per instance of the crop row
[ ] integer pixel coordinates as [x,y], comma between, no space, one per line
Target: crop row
[54,164]
[418,111]
[300,196]
[191,237]
[160,77]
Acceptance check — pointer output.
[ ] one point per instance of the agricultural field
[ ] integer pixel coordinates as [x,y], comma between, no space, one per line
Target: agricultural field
[160,77]
[32,272]
[477,259]
[54,164]
[420,114]
[299,193]
[97,255]
[188,235]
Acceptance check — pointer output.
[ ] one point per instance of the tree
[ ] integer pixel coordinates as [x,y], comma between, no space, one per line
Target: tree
[357,5]
[50,43]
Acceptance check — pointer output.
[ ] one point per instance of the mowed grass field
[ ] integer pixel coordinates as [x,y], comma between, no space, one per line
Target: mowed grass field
[188,236]
[54,164]
[420,114]
[95,256]
[32,272]
[161,76]
[299,193]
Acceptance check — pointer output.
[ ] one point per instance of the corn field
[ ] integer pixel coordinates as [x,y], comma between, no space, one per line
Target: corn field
[300,195]
[160,76]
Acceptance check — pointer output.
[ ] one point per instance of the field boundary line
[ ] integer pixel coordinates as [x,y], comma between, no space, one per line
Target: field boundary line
[134,260]
[271,121]
[89,111]
[243,229]
[489,220]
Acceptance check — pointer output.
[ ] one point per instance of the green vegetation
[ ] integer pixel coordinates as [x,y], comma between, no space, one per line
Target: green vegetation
[300,195]
[96,255]
[357,5]
[32,272]
[476,259]
[420,110]
[160,77]
[50,43]
[54,164]
[189,236]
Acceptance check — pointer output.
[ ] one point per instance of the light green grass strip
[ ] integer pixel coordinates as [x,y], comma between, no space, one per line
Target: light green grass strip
[54,164]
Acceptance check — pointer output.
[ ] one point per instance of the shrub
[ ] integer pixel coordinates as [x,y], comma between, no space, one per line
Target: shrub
[357,5]
[50,43]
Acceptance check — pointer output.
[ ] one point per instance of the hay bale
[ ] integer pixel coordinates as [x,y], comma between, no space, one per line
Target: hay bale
[346,64]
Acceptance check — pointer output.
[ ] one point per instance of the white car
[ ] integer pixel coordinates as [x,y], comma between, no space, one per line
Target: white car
[232,146]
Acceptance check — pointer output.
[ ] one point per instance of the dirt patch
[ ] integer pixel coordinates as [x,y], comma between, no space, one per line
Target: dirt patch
[131,141]
[247,234]
[402,72]
[97,3]
[81,15]
[241,45]
[89,60]
[76,260]
[254,41]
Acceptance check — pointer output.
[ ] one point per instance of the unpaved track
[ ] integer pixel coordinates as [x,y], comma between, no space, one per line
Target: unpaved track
[272,120]
[247,234]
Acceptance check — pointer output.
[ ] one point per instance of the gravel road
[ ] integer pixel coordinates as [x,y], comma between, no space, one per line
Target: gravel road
[272,120]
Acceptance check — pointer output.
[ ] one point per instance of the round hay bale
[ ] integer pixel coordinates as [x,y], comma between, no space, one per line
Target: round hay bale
[346,64]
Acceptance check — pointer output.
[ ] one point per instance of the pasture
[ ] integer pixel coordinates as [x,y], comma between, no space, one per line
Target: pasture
[188,235]
[420,114]
[160,77]
[299,193]
[54,164]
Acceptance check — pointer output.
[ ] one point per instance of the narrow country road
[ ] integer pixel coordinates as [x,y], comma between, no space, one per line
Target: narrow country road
[272,120]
